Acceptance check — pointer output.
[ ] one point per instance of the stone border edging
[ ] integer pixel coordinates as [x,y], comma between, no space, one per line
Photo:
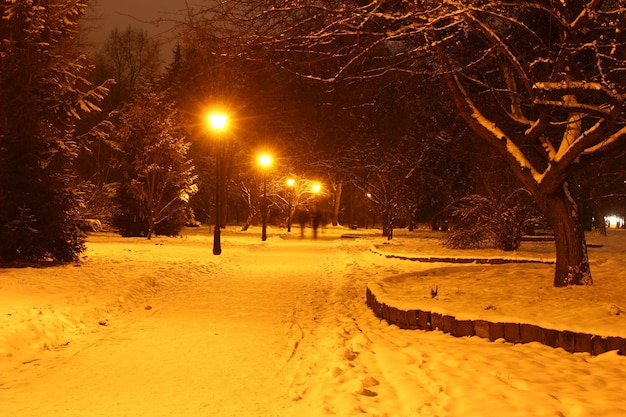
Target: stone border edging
[511,332]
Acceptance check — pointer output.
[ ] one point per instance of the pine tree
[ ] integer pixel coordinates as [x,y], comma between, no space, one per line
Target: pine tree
[42,95]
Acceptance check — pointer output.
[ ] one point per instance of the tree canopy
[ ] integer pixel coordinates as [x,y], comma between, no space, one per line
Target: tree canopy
[542,82]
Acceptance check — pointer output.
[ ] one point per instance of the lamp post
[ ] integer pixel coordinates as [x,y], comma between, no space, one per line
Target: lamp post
[218,123]
[265,161]
[290,184]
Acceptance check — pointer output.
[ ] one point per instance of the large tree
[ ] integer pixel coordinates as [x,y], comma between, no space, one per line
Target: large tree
[543,82]
[554,92]
[43,92]
[157,176]
[131,59]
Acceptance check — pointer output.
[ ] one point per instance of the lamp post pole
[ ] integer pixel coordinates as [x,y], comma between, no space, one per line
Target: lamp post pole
[290,183]
[218,122]
[217,232]
[265,161]
[264,214]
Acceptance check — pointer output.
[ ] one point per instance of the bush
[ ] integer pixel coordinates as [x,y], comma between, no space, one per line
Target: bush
[481,222]
[43,227]
[129,223]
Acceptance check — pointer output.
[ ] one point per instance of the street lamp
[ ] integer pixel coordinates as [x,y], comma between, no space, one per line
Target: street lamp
[290,184]
[265,161]
[218,123]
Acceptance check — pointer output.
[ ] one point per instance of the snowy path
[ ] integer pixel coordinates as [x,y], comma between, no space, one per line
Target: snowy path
[222,336]
[274,329]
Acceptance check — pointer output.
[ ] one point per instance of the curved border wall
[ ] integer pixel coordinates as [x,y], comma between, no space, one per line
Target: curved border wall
[511,332]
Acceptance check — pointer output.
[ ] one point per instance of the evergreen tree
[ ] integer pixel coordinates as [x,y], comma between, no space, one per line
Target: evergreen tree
[157,176]
[42,95]
[131,58]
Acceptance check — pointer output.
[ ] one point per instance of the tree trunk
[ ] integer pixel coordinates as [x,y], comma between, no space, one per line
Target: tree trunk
[150,230]
[572,261]
[411,218]
[388,219]
[599,225]
[250,218]
[337,203]
[223,208]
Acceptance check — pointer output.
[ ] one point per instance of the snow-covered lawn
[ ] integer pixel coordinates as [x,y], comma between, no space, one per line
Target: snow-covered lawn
[280,328]
[512,292]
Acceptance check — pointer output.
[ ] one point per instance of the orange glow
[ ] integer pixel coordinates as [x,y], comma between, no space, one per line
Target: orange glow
[265,160]
[218,120]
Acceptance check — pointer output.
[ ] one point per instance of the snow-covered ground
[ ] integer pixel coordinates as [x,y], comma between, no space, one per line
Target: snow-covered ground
[280,328]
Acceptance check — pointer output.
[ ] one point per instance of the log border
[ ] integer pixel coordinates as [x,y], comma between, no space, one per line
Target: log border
[459,260]
[569,341]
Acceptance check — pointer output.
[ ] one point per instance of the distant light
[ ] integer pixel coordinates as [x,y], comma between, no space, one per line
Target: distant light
[291,182]
[316,188]
[218,121]
[265,160]
[614,221]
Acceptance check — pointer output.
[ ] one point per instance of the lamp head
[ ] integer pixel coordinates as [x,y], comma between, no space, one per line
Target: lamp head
[218,120]
[265,160]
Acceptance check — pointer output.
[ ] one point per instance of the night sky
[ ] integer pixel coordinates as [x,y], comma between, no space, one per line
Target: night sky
[106,15]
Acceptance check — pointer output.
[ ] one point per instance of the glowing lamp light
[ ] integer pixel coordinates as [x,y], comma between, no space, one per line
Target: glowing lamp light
[316,188]
[614,221]
[265,160]
[218,121]
[291,182]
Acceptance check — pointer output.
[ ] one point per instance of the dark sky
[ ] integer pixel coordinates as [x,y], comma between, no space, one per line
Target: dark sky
[105,15]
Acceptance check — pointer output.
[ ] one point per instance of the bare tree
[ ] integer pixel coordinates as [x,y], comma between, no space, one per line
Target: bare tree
[552,99]
[543,82]
[130,57]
